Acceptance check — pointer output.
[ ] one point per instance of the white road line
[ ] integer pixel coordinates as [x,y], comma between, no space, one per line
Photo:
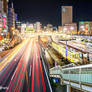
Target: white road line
[46,74]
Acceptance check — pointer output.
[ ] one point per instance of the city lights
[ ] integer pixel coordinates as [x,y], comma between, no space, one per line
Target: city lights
[45,47]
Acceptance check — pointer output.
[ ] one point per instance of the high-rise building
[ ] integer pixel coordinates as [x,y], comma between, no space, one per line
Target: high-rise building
[18,25]
[37,27]
[3,18]
[67,15]
[1,6]
[5,6]
[11,19]
[49,27]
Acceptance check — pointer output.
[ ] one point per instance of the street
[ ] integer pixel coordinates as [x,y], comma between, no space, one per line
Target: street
[45,46]
[24,64]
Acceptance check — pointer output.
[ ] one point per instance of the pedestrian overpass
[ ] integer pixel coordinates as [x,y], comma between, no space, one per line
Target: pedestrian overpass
[79,77]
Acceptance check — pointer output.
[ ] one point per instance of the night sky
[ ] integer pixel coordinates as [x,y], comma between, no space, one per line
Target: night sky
[49,11]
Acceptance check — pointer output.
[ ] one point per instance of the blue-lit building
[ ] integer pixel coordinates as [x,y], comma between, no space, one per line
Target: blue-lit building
[11,20]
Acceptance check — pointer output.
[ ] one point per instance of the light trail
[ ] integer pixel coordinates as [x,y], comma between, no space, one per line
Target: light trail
[37,70]
[42,77]
[33,69]
[45,71]
[17,71]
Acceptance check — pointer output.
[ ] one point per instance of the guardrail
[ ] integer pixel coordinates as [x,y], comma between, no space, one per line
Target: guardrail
[80,76]
[56,71]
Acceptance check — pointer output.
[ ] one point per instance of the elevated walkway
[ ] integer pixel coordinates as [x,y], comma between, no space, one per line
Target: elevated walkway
[79,76]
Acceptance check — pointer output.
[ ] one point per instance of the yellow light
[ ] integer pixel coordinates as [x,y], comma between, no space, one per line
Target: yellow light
[12,28]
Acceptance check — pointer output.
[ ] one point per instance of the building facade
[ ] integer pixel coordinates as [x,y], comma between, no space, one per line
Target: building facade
[60,28]
[67,15]
[18,25]
[85,27]
[49,27]
[11,20]
[37,27]
[3,18]
[5,6]
[70,29]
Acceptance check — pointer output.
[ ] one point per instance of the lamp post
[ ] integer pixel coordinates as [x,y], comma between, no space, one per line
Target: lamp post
[66,49]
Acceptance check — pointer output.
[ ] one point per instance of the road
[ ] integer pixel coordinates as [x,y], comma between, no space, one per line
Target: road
[23,70]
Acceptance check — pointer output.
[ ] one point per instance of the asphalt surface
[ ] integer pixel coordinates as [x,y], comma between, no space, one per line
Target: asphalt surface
[23,70]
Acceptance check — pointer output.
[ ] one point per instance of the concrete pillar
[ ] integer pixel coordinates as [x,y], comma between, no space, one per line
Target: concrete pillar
[68,88]
[61,88]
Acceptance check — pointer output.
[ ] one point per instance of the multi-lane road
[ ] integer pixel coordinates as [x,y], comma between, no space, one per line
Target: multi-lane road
[24,69]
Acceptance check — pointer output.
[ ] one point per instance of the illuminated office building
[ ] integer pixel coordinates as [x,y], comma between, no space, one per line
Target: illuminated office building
[67,15]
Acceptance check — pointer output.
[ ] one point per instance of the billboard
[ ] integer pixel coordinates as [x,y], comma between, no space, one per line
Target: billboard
[85,27]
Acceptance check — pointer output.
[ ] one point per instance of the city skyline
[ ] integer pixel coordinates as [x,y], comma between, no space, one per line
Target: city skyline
[39,10]
[45,46]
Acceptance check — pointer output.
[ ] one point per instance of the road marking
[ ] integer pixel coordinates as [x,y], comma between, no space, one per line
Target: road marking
[46,74]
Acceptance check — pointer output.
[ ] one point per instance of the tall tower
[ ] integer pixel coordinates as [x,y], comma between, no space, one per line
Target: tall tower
[12,15]
[67,15]
[12,5]
[5,6]
[4,18]
[1,6]
[11,20]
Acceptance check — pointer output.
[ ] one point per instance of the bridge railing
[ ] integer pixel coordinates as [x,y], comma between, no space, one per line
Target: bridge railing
[56,71]
[79,74]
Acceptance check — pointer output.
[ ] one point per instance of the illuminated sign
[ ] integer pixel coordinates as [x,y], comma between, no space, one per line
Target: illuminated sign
[4,22]
[0,37]
[81,22]
[5,30]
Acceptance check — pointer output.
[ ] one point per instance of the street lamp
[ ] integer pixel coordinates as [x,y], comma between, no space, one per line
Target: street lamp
[12,28]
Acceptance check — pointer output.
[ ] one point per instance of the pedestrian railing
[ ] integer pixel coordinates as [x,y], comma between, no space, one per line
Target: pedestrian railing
[81,75]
